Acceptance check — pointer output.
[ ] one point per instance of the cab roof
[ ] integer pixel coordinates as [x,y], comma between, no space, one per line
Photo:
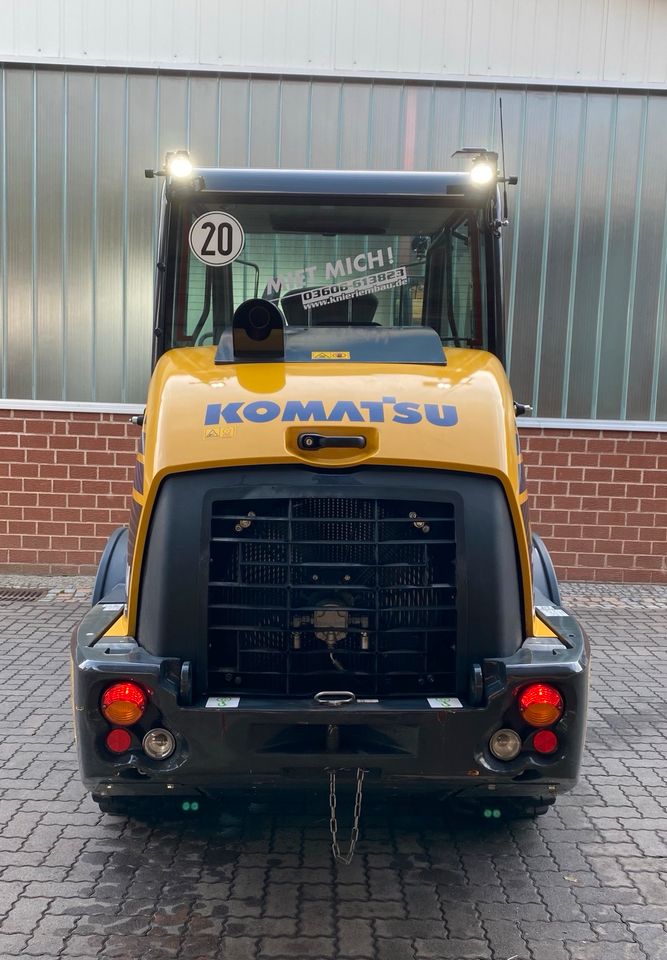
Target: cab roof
[343,183]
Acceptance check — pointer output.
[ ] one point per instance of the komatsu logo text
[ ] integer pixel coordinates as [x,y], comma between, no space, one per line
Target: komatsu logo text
[386,410]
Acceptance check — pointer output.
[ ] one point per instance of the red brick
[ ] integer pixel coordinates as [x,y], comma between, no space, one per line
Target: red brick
[99,457]
[41,456]
[620,560]
[583,488]
[598,445]
[22,556]
[651,533]
[58,442]
[23,499]
[81,428]
[650,563]
[544,443]
[24,469]
[70,456]
[39,426]
[595,503]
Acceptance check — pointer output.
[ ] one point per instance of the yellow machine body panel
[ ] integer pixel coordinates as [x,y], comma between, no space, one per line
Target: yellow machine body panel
[458,416]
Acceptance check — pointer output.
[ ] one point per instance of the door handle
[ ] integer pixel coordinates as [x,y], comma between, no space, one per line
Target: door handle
[317,441]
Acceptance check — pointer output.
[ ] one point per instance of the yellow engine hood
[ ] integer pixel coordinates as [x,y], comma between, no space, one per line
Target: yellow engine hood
[202,416]
[458,416]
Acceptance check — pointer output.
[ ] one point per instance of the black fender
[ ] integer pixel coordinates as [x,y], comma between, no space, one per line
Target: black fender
[113,565]
[544,574]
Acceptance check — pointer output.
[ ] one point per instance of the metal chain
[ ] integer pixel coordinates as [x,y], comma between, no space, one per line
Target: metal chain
[333,822]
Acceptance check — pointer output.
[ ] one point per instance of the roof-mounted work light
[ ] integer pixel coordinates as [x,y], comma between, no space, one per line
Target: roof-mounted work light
[178,164]
[484,165]
[179,168]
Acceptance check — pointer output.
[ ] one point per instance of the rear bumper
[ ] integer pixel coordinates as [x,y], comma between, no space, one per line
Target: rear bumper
[260,743]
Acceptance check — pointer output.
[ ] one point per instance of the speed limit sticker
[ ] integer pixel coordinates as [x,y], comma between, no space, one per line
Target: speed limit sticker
[216,238]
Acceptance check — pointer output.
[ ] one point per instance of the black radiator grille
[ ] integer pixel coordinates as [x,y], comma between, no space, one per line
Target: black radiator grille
[310,594]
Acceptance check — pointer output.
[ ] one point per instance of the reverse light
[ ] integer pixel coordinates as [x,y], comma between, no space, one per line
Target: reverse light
[118,740]
[545,741]
[159,744]
[540,705]
[505,744]
[123,703]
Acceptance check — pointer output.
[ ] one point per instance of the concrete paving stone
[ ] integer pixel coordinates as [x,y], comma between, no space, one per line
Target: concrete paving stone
[13,944]
[653,939]
[550,950]
[557,930]
[506,938]
[614,931]
[452,949]
[356,938]
[394,950]
[602,950]
[292,948]
[261,927]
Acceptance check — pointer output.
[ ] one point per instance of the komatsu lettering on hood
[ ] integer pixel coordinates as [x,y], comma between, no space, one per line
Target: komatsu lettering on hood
[342,411]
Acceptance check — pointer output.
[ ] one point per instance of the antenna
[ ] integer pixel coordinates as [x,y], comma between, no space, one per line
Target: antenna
[502,151]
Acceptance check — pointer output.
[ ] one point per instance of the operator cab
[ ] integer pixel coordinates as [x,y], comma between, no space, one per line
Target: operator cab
[373,251]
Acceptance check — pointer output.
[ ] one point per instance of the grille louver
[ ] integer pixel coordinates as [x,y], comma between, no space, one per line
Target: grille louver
[309,594]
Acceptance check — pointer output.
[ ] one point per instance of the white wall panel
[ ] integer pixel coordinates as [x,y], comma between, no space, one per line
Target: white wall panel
[576,41]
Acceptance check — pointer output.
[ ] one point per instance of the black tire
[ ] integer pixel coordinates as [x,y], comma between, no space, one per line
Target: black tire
[112,569]
[544,573]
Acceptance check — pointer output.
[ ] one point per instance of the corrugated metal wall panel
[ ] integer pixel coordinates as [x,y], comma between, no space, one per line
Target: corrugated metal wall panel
[586,252]
[598,41]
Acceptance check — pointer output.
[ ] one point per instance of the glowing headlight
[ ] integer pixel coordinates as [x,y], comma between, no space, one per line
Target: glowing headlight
[482,172]
[179,165]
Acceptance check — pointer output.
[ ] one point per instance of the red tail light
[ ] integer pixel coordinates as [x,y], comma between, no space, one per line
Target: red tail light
[540,705]
[123,703]
[545,741]
[118,740]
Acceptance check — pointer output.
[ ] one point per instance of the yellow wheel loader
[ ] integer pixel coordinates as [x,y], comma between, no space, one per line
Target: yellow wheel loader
[328,575]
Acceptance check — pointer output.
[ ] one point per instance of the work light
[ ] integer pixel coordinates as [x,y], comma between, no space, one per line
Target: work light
[482,172]
[179,164]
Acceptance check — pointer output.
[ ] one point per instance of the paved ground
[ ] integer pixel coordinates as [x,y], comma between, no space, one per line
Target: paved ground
[586,882]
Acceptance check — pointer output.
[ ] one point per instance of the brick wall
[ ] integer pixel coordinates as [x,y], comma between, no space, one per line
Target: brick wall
[598,498]
[65,479]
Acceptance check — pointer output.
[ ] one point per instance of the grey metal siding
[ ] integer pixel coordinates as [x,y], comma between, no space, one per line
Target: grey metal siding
[586,253]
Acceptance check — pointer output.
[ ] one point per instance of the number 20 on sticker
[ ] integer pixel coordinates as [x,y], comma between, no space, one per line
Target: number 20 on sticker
[216,238]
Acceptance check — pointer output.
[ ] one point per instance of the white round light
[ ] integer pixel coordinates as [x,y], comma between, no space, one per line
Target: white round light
[482,172]
[180,165]
[159,744]
[505,744]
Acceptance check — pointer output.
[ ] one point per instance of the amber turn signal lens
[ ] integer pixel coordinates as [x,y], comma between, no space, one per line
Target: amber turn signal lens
[123,703]
[540,705]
